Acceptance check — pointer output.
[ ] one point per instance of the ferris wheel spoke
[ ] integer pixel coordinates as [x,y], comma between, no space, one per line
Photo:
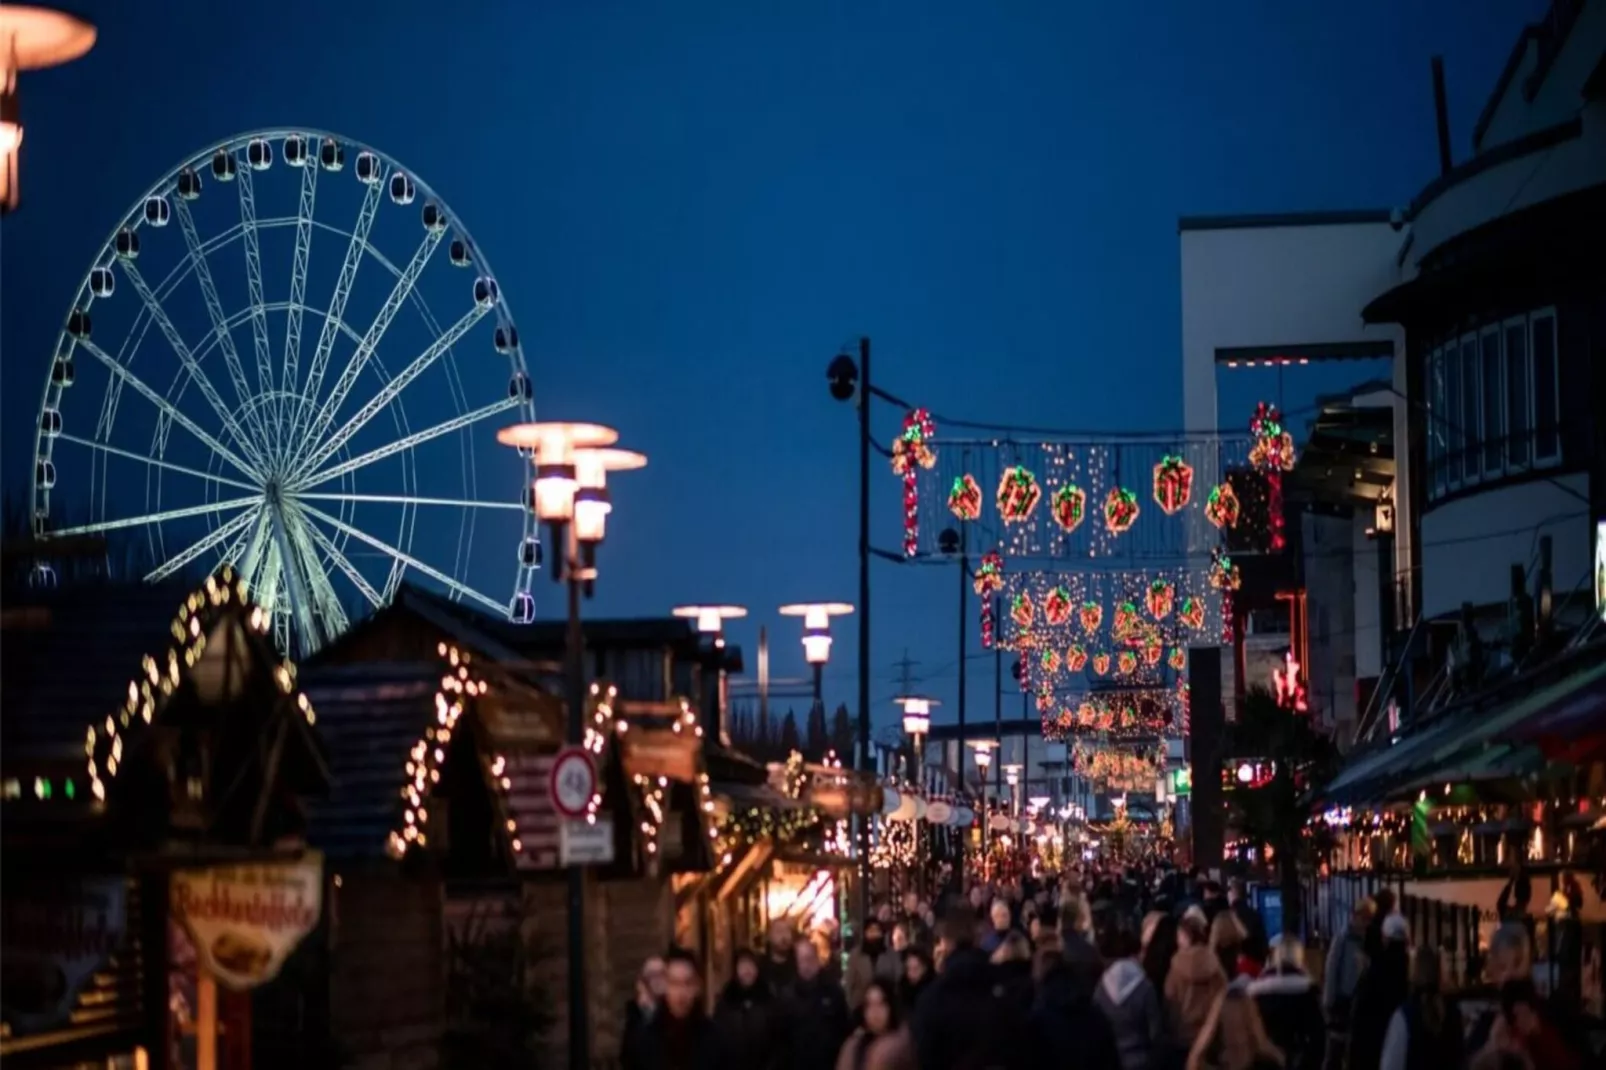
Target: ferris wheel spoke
[407,499]
[343,563]
[298,282]
[191,365]
[370,341]
[337,308]
[410,442]
[156,518]
[292,562]
[214,309]
[195,549]
[144,390]
[155,462]
[255,555]
[325,601]
[259,318]
[392,389]
[407,559]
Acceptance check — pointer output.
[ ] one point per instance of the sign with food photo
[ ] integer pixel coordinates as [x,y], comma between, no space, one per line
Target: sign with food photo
[56,934]
[246,920]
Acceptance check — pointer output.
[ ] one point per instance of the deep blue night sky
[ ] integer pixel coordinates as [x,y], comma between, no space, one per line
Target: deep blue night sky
[692,205]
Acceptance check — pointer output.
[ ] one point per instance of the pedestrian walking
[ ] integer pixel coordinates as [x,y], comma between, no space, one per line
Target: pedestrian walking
[639,1012]
[1425,1033]
[681,1036]
[817,1014]
[1290,1006]
[918,975]
[1346,959]
[877,1018]
[1068,1029]
[1234,1036]
[1193,982]
[750,1020]
[1133,1006]
[871,960]
[1381,990]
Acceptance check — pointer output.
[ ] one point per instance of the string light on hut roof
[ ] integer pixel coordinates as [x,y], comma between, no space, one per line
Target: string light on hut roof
[161,675]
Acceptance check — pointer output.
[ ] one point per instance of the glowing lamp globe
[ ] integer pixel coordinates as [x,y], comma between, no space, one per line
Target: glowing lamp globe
[710,619]
[591,502]
[816,627]
[1012,774]
[551,445]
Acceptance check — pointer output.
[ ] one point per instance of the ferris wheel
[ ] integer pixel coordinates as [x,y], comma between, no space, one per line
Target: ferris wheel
[246,375]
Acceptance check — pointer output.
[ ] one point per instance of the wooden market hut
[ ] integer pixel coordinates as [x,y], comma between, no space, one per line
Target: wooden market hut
[140,747]
[480,877]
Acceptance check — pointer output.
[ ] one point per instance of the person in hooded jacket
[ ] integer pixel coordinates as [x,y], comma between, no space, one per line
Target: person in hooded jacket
[1290,1006]
[1193,982]
[959,1024]
[750,1020]
[1346,959]
[1132,1005]
[872,960]
[1067,1028]
[1381,991]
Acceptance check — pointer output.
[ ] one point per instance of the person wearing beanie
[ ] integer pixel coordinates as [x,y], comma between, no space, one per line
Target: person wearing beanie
[1383,988]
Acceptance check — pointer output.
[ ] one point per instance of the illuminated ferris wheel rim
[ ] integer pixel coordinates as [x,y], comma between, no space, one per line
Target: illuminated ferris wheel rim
[286,444]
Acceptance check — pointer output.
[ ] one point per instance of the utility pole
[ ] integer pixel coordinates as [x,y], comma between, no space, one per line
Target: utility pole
[865,395]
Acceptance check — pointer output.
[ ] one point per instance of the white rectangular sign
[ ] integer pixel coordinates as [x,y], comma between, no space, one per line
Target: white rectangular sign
[581,843]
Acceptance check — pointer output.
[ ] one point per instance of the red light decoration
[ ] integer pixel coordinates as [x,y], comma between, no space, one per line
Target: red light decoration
[1126,621]
[1173,484]
[1076,657]
[912,451]
[1192,613]
[1161,597]
[1222,507]
[1273,454]
[1127,663]
[1101,664]
[1092,616]
[1018,495]
[1057,606]
[1179,658]
[964,498]
[1289,686]
[1120,511]
[1070,507]
[988,581]
[1049,660]
[1021,611]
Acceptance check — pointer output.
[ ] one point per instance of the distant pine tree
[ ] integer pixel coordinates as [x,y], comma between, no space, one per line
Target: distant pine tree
[819,740]
[789,740]
[765,743]
[842,735]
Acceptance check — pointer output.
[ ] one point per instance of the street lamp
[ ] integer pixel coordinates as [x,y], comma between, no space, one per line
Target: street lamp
[31,38]
[983,758]
[570,495]
[817,633]
[916,723]
[1012,778]
[710,619]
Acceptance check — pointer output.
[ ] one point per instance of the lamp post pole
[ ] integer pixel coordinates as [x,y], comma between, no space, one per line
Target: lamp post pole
[574,648]
[964,595]
[864,618]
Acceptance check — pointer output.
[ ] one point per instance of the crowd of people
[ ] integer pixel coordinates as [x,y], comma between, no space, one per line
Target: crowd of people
[1104,969]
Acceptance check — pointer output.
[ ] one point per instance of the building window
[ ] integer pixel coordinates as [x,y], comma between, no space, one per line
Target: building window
[1493,403]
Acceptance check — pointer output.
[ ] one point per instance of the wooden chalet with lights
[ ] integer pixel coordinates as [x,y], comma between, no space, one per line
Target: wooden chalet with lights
[156,759]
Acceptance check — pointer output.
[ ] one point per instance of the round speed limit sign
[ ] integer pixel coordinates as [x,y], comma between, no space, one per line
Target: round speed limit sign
[574,781]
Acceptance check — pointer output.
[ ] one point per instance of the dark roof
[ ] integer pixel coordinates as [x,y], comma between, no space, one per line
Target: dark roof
[1339,217]
[1550,34]
[370,716]
[544,640]
[69,655]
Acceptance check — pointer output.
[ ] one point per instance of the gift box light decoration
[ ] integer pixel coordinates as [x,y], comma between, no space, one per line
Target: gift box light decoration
[964,497]
[1161,597]
[1069,507]
[1222,507]
[1057,605]
[1018,494]
[1173,484]
[1120,511]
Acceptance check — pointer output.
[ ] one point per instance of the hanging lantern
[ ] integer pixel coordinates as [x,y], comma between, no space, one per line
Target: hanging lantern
[1120,511]
[1173,484]
[1070,507]
[964,498]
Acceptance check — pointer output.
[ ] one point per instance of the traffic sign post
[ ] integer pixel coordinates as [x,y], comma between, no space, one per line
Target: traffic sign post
[573,782]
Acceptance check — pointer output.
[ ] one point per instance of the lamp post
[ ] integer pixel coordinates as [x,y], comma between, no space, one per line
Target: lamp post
[849,380]
[572,462]
[31,38]
[1012,778]
[983,759]
[916,724]
[817,633]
